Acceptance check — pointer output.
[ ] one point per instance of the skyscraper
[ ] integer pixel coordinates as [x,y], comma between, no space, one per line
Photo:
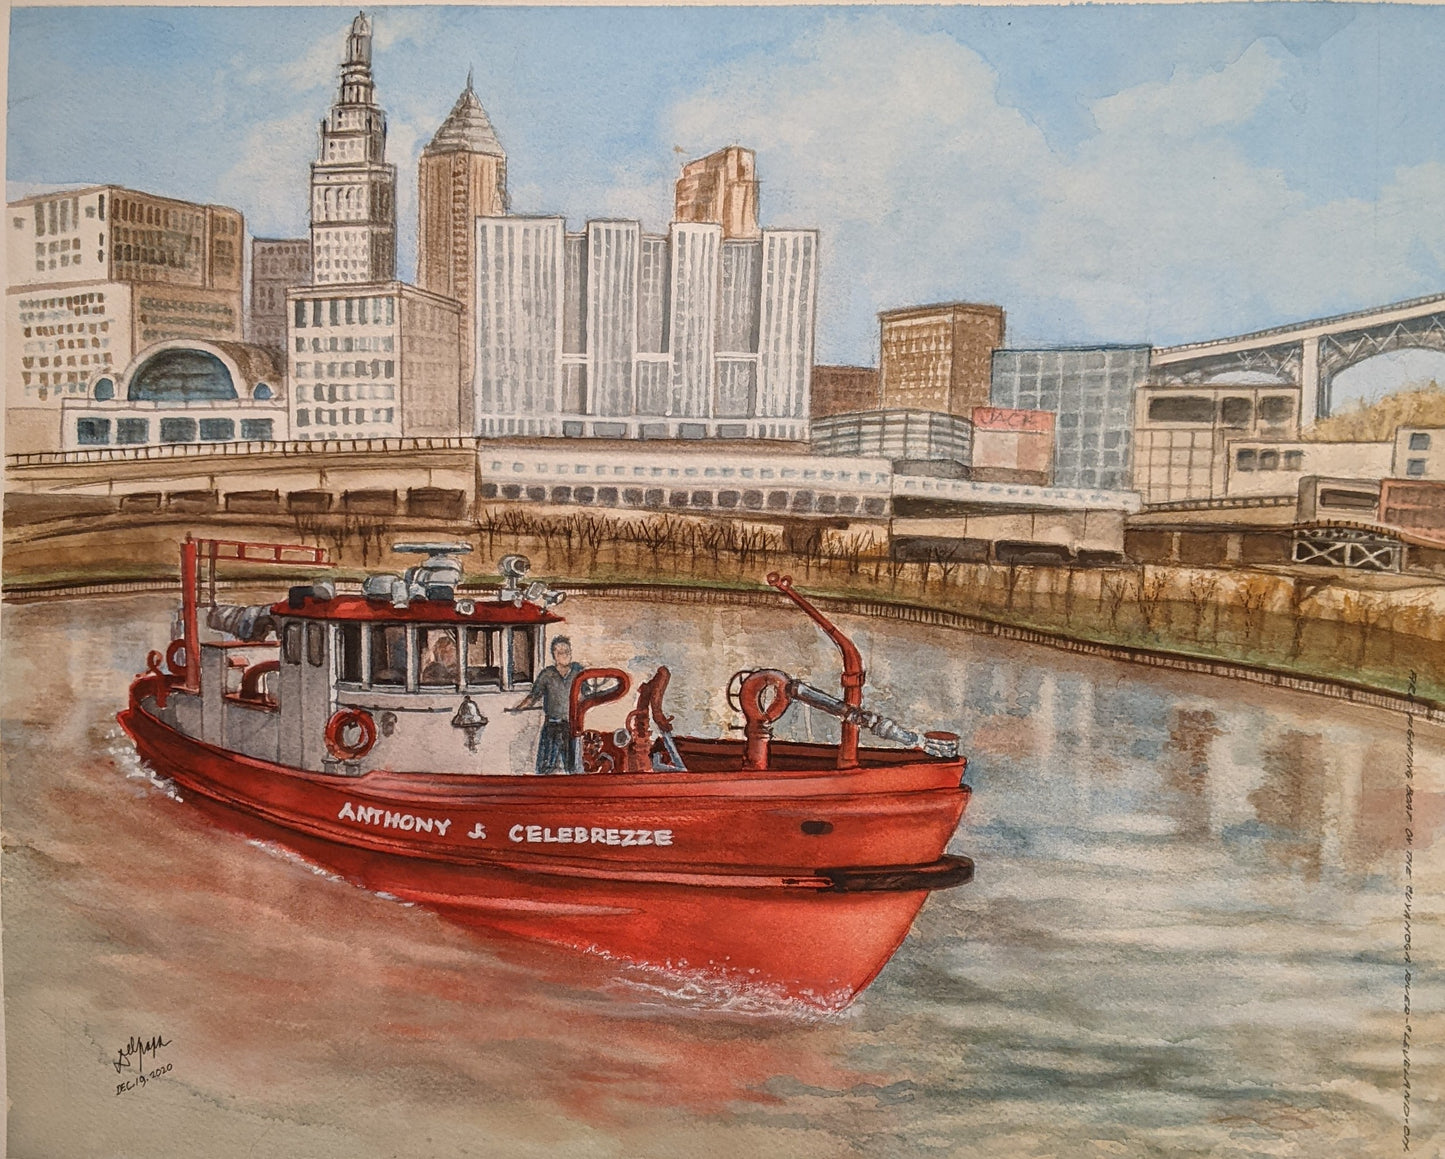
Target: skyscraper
[720,189]
[616,333]
[353,189]
[462,176]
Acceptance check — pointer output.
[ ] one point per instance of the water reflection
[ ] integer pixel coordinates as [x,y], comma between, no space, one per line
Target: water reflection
[1183,936]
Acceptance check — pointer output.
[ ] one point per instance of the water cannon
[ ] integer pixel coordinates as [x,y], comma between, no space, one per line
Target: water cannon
[514,569]
[544,597]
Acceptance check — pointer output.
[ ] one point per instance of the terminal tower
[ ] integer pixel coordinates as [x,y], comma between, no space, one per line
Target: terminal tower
[353,189]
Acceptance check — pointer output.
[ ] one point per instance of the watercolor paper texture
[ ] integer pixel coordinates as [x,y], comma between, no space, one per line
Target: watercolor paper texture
[413,744]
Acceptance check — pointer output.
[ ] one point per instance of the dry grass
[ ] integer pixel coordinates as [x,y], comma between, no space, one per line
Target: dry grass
[1423,406]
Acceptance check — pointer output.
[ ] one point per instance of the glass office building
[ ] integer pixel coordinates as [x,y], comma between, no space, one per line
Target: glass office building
[1091,390]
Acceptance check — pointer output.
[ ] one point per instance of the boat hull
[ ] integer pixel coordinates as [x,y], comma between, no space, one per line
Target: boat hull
[802,882]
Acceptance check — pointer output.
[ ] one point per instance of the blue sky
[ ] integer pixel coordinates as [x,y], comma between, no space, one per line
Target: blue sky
[1119,174]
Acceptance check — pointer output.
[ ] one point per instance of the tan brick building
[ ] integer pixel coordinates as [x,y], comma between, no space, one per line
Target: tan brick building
[277,264]
[939,358]
[1181,431]
[844,390]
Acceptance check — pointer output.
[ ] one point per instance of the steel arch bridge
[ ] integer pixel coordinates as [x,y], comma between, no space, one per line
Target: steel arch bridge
[1308,354]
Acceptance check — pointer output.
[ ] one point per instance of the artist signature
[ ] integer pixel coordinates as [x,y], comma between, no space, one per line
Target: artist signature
[133,1055]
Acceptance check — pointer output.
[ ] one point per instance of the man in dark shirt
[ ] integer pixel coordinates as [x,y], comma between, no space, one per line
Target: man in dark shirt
[552,692]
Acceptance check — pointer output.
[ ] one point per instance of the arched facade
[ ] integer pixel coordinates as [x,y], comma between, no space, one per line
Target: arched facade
[180,392]
[182,373]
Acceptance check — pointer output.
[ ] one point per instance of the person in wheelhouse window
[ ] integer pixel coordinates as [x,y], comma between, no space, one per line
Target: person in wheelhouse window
[439,658]
[552,692]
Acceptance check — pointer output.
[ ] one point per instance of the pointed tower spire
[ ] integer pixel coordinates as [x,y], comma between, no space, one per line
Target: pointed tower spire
[469,78]
[467,128]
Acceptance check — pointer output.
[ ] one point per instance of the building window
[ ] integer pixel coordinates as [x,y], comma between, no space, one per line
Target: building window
[1419,441]
[1276,408]
[1244,460]
[132,430]
[1294,460]
[1235,412]
[92,432]
[316,312]
[303,417]
[1415,468]
[178,430]
[1269,460]
[1171,409]
[217,430]
[301,314]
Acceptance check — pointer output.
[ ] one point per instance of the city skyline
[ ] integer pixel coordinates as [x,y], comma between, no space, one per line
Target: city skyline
[1232,128]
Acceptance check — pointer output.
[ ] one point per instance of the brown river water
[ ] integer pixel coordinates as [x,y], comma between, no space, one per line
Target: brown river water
[1186,937]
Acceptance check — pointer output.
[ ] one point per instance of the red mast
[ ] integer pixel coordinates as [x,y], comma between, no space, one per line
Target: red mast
[852,678]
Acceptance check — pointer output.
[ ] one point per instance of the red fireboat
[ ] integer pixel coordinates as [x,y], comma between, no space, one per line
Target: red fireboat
[369,733]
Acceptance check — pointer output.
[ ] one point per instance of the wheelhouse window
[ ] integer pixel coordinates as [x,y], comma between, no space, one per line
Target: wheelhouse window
[524,655]
[388,655]
[291,644]
[438,662]
[315,644]
[428,658]
[484,657]
[349,636]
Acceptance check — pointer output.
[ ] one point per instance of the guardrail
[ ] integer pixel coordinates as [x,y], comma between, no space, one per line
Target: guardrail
[1223,504]
[1299,328]
[237,449]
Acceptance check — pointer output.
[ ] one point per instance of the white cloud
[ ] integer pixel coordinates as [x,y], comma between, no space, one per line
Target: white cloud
[1158,226]
[270,175]
[1190,102]
[316,66]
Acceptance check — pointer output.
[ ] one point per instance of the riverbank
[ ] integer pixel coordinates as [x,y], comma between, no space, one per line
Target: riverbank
[1363,633]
